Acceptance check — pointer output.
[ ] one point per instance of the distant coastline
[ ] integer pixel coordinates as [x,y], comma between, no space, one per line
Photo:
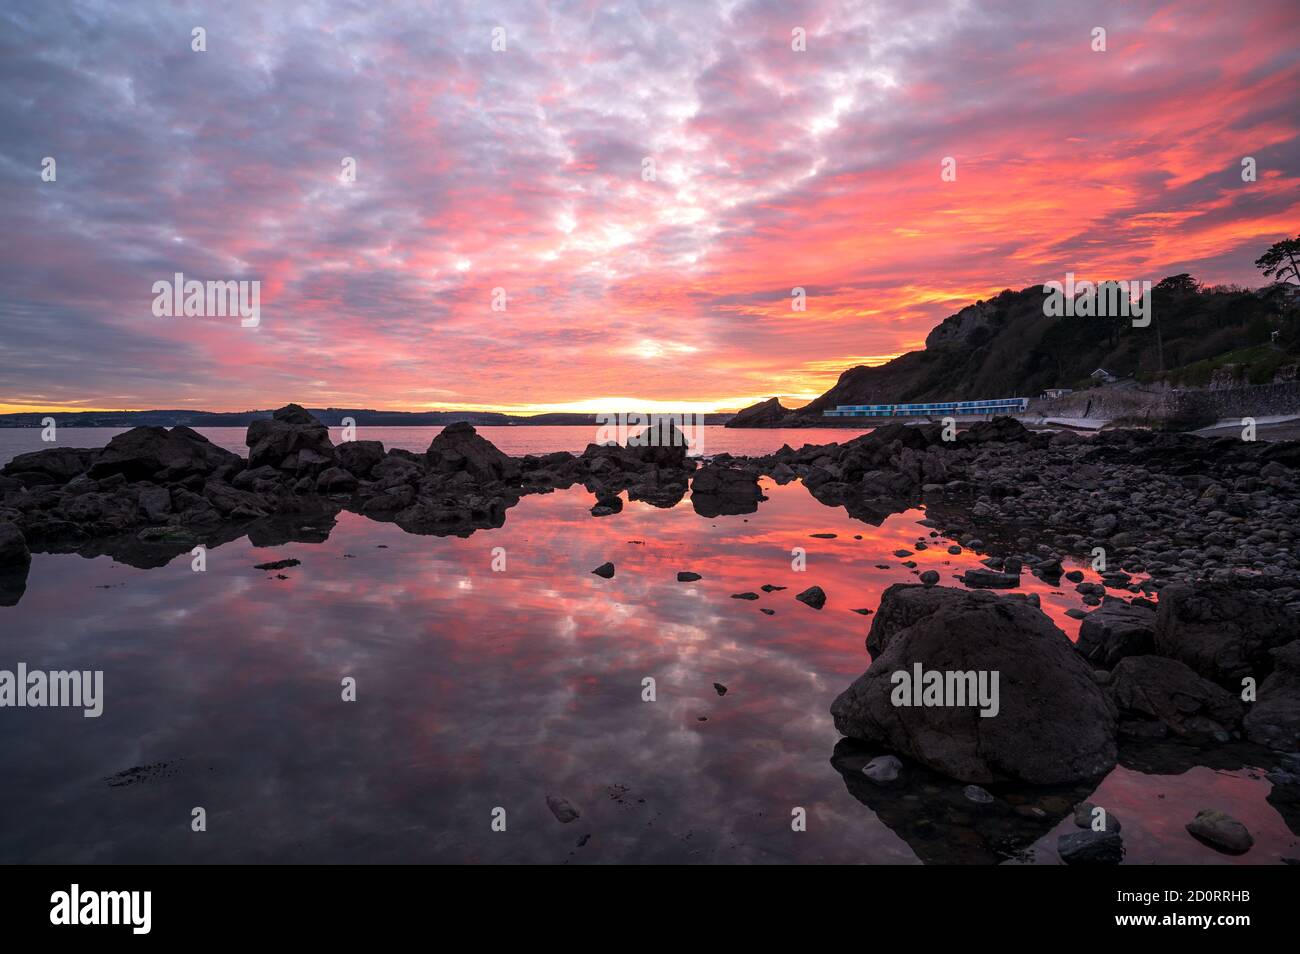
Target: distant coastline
[332,417]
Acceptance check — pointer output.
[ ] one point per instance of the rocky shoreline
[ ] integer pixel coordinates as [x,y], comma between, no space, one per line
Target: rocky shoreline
[1200,582]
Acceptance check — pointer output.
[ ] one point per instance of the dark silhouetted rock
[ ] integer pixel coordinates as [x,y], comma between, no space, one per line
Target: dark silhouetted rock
[814,596]
[335,480]
[155,503]
[1167,691]
[990,579]
[360,457]
[717,489]
[1053,724]
[13,547]
[281,441]
[661,444]
[1114,630]
[55,465]
[767,413]
[605,570]
[278,564]
[1091,848]
[1274,718]
[458,447]
[162,456]
[1222,631]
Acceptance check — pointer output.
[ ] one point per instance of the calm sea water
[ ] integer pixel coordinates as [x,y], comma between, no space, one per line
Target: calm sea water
[516,441]
[480,690]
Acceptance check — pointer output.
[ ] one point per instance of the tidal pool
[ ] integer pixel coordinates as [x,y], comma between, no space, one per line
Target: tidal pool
[481,689]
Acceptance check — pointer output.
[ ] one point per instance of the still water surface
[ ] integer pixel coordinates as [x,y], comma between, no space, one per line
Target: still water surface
[479,690]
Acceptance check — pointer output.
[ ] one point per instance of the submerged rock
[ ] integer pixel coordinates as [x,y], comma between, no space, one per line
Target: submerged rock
[1086,815]
[883,769]
[562,809]
[1221,832]
[1091,848]
[936,820]
[278,564]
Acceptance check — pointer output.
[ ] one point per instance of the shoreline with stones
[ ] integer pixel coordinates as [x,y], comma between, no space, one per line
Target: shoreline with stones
[1200,587]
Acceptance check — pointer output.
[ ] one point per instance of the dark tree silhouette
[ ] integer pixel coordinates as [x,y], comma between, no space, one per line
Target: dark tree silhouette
[1181,284]
[1280,260]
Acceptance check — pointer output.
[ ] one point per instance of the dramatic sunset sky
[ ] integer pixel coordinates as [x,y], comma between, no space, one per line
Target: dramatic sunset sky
[522,170]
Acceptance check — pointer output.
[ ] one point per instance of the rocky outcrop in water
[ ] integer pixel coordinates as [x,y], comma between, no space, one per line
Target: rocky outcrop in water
[153,493]
[769,413]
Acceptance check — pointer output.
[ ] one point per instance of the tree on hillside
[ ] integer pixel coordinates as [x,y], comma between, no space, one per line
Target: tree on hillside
[1280,260]
[1180,284]
[1169,290]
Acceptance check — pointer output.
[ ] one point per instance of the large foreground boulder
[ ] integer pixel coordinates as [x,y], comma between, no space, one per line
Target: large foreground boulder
[292,440]
[1274,719]
[163,456]
[1052,724]
[1222,631]
[458,447]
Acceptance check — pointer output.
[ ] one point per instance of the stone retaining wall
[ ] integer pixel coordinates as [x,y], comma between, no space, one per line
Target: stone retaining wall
[1174,409]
